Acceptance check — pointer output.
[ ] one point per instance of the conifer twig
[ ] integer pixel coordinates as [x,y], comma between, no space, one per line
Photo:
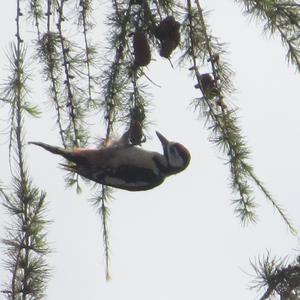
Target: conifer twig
[104,212]
[282,17]
[48,53]
[101,200]
[68,76]
[36,11]
[113,91]
[85,9]
[222,119]
[25,242]
[276,276]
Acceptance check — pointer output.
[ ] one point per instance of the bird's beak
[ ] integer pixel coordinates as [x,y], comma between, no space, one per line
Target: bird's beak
[162,139]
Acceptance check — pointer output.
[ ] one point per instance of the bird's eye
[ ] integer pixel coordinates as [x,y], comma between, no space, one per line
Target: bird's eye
[172,150]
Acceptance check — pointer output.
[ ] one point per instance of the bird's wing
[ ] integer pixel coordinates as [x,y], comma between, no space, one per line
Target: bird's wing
[129,177]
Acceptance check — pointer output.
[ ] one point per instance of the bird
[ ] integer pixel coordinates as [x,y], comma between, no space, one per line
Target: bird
[125,166]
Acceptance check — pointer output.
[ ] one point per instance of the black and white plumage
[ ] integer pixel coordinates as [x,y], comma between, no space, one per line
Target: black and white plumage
[125,166]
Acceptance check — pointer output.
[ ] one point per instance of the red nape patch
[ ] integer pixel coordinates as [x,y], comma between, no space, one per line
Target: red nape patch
[184,153]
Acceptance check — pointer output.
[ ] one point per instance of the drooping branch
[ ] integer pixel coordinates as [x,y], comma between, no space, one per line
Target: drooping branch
[25,239]
[101,200]
[205,51]
[114,89]
[48,52]
[67,59]
[279,17]
[36,13]
[90,51]
[276,276]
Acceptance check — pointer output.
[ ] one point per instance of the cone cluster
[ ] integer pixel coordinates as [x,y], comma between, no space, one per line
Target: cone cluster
[141,49]
[208,85]
[167,32]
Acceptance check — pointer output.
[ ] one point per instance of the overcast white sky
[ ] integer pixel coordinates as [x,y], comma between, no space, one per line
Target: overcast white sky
[180,240]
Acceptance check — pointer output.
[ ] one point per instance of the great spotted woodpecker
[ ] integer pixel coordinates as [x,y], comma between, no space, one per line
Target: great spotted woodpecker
[123,165]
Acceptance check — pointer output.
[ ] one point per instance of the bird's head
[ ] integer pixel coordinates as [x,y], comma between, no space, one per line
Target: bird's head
[177,156]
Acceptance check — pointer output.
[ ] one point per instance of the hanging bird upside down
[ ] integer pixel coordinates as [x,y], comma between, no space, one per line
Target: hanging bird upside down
[125,166]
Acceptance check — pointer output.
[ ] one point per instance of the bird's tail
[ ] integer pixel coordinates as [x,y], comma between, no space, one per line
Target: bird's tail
[52,149]
[55,150]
